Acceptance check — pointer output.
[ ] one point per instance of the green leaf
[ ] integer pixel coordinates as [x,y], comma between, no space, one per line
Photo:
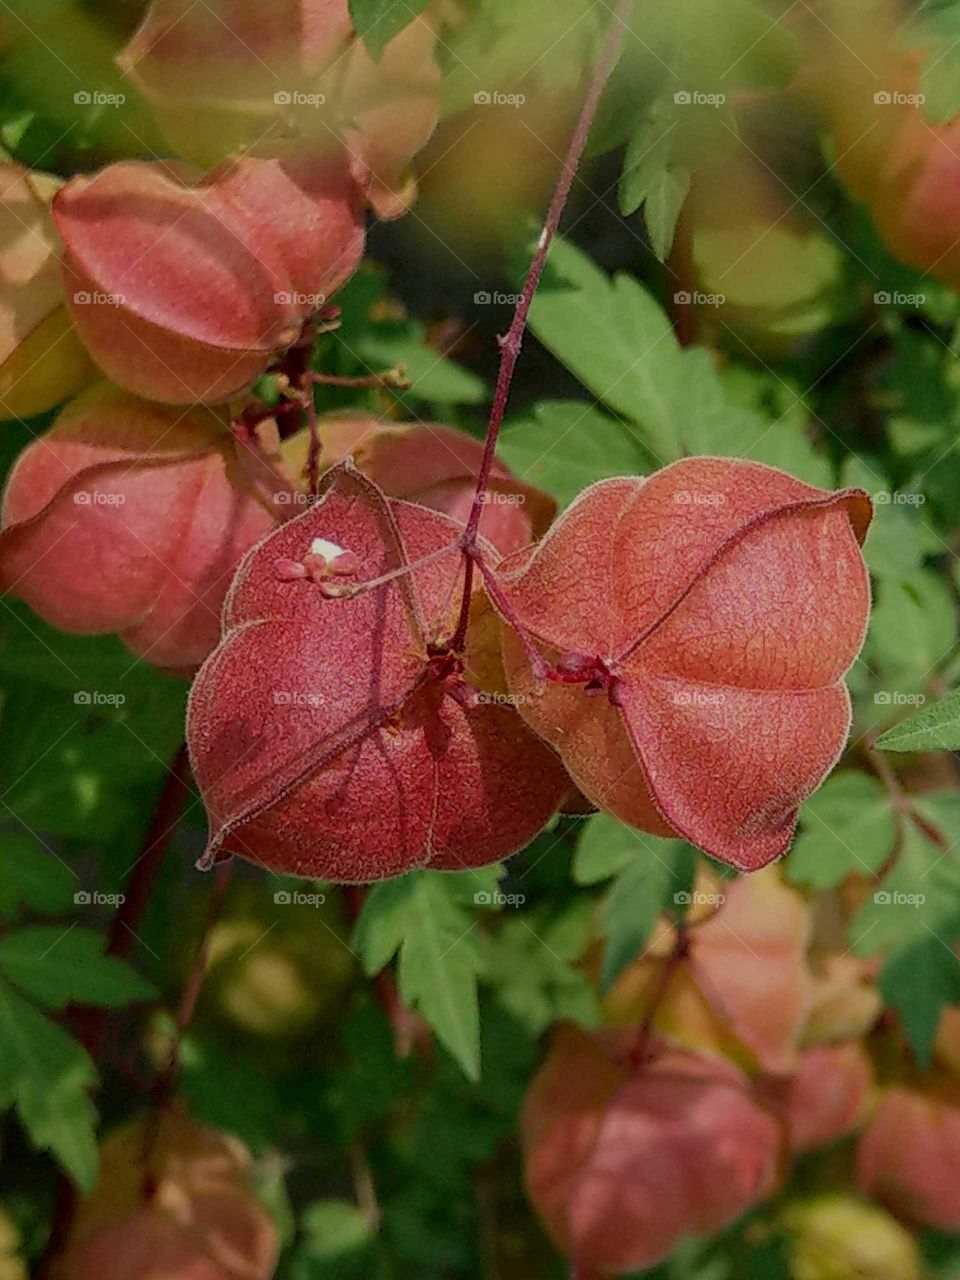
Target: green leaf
[606,847]
[936,728]
[848,828]
[920,895]
[33,877]
[532,966]
[422,917]
[662,208]
[914,627]
[660,879]
[918,981]
[380,21]
[59,965]
[616,338]
[47,1074]
[567,445]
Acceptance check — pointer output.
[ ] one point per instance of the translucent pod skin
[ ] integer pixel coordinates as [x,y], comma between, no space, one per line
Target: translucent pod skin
[436,466]
[184,291]
[131,517]
[623,1161]
[698,624]
[333,733]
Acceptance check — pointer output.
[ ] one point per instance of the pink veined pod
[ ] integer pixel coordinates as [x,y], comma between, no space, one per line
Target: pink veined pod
[184,291]
[131,517]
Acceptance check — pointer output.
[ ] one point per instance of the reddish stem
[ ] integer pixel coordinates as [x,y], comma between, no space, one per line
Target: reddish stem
[90,1023]
[512,342]
[165,1086]
[640,1053]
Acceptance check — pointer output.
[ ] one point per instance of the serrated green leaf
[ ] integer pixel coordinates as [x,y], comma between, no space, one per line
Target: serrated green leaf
[568,445]
[848,828]
[662,208]
[920,895]
[936,728]
[616,338]
[58,966]
[918,981]
[33,877]
[46,1074]
[423,919]
[380,21]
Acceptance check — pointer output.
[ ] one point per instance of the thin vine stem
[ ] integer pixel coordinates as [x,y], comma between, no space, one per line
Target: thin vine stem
[511,344]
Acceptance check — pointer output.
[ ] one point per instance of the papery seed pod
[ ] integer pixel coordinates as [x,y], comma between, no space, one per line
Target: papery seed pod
[328,733]
[42,361]
[839,1237]
[228,77]
[623,1161]
[723,601]
[909,1155]
[433,465]
[184,292]
[743,989]
[174,1202]
[825,1099]
[131,517]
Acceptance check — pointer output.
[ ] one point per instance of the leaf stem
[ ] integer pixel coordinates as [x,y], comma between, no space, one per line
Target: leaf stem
[512,342]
